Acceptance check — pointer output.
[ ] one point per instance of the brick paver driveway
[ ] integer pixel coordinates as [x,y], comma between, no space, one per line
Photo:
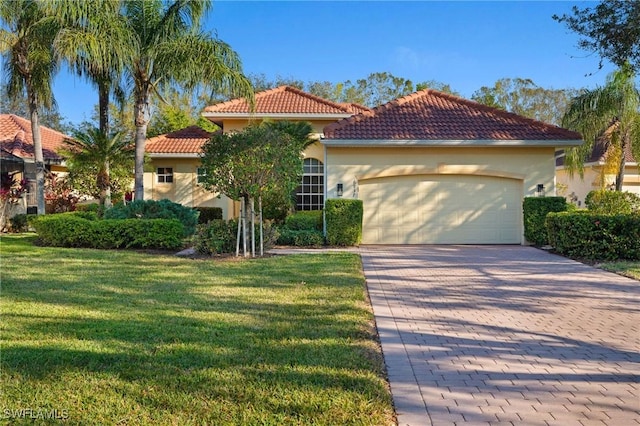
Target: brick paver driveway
[505,334]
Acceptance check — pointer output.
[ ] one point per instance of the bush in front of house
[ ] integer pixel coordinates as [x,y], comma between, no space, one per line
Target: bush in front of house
[71,230]
[593,236]
[208,214]
[535,210]
[151,209]
[300,237]
[219,236]
[92,207]
[344,221]
[304,221]
[612,202]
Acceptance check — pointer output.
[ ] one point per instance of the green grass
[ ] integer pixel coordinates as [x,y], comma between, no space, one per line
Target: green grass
[120,337]
[628,269]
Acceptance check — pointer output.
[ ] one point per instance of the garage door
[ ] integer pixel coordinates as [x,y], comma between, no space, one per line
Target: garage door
[441,209]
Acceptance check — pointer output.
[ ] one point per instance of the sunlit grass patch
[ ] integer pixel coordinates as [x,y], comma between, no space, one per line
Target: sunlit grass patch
[628,269]
[131,338]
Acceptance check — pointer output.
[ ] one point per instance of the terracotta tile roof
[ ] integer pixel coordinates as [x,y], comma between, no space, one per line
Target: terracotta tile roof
[355,108]
[17,139]
[601,149]
[184,141]
[432,115]
[281,100]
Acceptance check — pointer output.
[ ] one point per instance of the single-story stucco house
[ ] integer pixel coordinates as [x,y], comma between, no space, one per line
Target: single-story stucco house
[596,175]
[17,150]
[430,168]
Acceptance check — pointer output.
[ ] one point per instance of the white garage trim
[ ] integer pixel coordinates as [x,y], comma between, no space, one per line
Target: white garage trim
[444,169]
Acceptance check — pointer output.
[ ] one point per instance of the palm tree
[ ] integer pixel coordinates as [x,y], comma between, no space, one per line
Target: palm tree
[611,111]
[96,43]
[94,152]
[171,49]
[26,37]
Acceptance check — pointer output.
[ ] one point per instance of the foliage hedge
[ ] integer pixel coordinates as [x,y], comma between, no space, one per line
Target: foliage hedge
[93,207]
[300,237]
[612,202]
[595,236]
[208,214]
[535,210]
[304,221]
[151,209]
[71,230]
[344,221]
[219,236]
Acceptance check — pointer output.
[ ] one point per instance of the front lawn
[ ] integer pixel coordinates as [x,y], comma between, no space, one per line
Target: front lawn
[119,337]
[628,269]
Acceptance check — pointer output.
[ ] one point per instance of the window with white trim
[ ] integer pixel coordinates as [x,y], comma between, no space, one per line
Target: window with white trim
[310,194]
[165,174]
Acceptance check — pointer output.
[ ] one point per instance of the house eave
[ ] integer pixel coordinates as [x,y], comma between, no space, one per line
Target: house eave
[448,143]
[216,116]
[173,155]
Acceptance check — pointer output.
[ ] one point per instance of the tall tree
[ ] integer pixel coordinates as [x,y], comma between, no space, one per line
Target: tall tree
[96,43]
[94,155]
[171,49]
[177,110]
[611,29]
[437,85]
[522,96]
[611,111]
[26,37]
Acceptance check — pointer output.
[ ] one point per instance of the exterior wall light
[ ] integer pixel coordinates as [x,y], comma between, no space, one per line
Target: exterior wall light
[339,190]
[540,190]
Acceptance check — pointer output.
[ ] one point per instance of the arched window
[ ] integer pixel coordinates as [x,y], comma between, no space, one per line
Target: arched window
[310,195]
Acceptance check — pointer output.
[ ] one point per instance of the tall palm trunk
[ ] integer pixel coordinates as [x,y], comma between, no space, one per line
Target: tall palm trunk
[37,148]
[103,105]
[142,113]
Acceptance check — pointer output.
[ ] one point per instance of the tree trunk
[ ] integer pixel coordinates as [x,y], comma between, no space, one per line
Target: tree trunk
[244,226]
[253,228]
[142,113]
[261,233]
[239,228]
[103,106]
[37,148]
[620,177]
[107,188]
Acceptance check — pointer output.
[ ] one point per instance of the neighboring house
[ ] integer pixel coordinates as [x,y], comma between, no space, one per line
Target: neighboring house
[16,146]
[175,157]
[431,168]
[596,175]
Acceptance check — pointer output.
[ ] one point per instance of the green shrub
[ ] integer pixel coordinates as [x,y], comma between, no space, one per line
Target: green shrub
[612,202]
[93,207]
[208,214]
[69,230]
[344,221]
[595,236]
[151,209]
[19,223]
[535,210]
[215,237]
[89,215]
[300,238]
[304,221]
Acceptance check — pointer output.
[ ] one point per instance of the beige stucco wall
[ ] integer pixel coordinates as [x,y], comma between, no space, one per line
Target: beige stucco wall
[579,187]
[184,189]
[530,165]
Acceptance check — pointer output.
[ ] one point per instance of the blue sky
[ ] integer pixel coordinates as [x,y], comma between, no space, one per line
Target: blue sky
[464,44]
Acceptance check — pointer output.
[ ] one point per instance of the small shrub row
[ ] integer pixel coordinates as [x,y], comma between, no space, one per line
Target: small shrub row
[612,202]
[304,221]
[71,230]
[595,236]
[93,207]
[151,209]
[344,221]
[216,237]
[535,211]
[208,214]
[300,238]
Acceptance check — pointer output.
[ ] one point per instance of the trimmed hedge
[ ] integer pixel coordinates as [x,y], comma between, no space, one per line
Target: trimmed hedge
[535,210]
[216,236]
[304,221]
[151,209]
[612,202]
[69,230]
[344,221]
[595,236]
[208,214]
[301,237]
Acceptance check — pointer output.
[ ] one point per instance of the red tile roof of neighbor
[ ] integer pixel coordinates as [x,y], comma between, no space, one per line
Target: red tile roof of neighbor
[433,115]
[355,108]
[281,100]
[184,141]
[601,149]
[16,138]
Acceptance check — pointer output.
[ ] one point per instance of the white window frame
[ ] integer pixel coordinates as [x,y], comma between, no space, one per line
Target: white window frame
[310,193]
